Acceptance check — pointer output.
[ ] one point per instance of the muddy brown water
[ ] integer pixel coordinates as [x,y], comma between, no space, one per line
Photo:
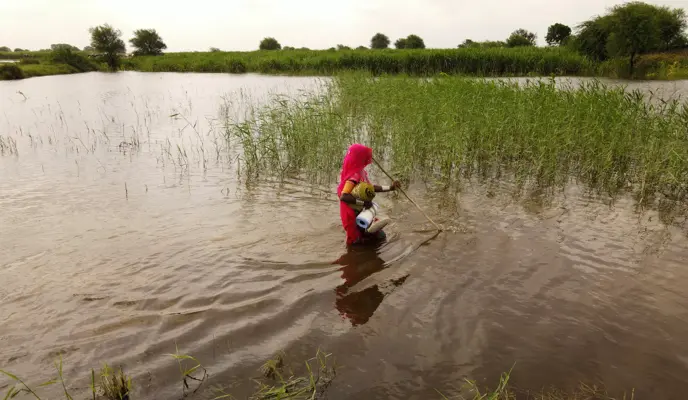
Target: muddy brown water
[115,247]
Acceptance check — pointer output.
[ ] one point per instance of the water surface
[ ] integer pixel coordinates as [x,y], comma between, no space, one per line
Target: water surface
[126,232]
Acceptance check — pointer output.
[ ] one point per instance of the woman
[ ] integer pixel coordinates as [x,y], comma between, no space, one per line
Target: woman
[353,172]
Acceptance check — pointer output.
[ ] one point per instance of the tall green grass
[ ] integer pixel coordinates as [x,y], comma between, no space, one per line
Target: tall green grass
[470,61]
[453,129]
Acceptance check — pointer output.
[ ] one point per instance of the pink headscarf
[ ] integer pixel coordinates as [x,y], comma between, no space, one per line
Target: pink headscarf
[357,158]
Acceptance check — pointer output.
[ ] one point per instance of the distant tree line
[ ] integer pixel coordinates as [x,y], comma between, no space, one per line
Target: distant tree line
[627,30]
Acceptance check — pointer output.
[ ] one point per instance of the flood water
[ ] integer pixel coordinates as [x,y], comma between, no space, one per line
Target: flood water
[125,233]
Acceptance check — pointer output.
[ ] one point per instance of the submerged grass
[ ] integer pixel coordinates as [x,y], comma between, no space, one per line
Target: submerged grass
[452,129]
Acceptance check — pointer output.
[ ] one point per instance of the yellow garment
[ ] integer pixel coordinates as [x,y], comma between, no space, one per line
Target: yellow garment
[363,191]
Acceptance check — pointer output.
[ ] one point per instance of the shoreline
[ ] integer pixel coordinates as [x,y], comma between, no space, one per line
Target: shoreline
[480,63]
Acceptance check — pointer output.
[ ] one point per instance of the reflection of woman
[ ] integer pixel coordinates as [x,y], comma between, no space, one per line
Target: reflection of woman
[358,264]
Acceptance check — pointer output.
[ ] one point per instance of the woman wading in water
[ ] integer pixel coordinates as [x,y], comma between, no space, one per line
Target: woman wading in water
[353,190]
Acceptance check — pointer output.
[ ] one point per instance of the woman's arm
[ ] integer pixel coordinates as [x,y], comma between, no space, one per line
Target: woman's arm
[382,189]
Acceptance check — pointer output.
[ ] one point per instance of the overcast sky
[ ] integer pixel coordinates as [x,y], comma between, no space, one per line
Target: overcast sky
[241,24]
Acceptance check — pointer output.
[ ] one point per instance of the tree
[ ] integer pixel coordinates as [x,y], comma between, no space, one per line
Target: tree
[467,43]
[521,37]
[592,38]
[343,47]
[636,28]
[59,46]
[5,49]
[18,49]
[214,50]
[89,49]
[672,25]
[414,42]
[400,43]
[147,42]
[107,40]
[288,48]
[631,29]
[269,43]
[361,48]
[557,34]
[379,41]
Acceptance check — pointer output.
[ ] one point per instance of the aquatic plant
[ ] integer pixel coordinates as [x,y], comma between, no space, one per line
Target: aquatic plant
[452,130]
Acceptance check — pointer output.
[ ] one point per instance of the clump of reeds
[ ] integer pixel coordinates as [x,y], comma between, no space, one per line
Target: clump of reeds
[114,385]
[281,384]
[470,390]
[453,129]
[8,146]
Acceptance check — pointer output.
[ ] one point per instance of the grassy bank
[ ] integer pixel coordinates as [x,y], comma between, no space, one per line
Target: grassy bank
[277,380]
[664,66]
[33,64]
[451,130]
[470,61]
[487,62]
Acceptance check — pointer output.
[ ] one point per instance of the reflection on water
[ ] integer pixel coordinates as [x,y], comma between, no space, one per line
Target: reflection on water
[120,253]
[357,264]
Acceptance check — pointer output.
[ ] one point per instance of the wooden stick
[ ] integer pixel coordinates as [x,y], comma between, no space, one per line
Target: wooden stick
[407,196]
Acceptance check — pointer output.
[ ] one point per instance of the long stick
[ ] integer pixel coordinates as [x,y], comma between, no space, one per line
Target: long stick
[407,196]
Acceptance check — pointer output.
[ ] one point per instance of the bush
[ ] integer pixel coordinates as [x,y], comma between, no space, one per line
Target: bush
[76,60]
[29,61]
[10,72]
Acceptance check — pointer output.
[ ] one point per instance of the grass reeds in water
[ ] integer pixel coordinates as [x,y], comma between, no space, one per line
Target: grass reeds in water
[279,382]
[113,385]
[469,61]
[453,129]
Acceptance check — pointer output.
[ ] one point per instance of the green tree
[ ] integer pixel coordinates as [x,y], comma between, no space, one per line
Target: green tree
[467,43]
[400,43]
[269,43]
[18,49]
[672,26]
[214,50]
[414,42]
[592,38]
[343,47]
[635,28]
[361,48]
[379,41]
[59,46]
[521,37]
[107,40]
[288,48]
[89,49]
[147,42]
[557,34]
[631,29]
[5,49]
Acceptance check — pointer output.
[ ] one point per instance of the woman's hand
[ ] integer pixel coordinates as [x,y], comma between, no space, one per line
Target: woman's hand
[367,204]
[396,185]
